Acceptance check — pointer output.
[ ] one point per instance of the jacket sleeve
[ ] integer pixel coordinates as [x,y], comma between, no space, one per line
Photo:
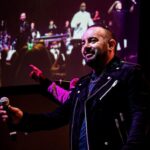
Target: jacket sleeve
[138,96]
[59,93]
[46,121]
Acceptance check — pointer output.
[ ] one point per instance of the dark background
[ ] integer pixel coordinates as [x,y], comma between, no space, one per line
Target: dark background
[29,98]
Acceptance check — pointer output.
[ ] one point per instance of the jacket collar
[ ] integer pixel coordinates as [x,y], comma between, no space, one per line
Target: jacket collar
[114,64]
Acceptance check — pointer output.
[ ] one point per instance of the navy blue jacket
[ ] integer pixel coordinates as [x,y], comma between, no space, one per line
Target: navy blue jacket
[115,112]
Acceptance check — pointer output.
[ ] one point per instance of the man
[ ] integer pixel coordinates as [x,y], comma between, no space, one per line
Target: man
[34,32]
[24,32]
[80,21]
[106,110]
[52,28]
[120,12]
[24,25]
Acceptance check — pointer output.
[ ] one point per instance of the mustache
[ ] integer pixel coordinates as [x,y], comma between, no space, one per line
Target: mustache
[88,49]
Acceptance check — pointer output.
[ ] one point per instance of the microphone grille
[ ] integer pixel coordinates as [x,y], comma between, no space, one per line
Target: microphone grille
[4,101]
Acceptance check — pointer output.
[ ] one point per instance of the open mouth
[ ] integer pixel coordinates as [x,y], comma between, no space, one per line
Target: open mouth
[89,53]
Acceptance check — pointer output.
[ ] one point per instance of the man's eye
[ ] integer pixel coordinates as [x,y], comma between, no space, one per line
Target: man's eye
[93,40]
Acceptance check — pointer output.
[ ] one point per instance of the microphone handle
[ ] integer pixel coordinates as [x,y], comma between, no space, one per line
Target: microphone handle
[12,131]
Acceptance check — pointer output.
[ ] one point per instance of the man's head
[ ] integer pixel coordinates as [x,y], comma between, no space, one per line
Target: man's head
[83,6]
[32,25]
[98,46]
[118,5]
[51,22]
[23,16]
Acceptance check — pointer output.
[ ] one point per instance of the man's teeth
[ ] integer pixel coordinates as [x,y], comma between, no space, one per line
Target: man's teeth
[89,55]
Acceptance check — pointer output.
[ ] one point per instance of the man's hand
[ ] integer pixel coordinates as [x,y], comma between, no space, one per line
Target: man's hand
[36,73]
[15,113]
[73,82]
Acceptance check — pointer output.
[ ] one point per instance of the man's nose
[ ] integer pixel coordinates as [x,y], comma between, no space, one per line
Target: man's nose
[86,49]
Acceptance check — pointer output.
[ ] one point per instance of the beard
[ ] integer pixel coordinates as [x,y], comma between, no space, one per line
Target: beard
[98,60]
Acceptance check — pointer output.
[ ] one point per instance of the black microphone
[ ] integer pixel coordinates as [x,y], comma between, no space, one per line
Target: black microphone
[4,101]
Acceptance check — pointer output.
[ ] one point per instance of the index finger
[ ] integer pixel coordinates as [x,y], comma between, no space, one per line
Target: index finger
[33,67]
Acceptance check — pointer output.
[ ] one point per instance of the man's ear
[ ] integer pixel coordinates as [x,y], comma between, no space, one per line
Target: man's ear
[112,44]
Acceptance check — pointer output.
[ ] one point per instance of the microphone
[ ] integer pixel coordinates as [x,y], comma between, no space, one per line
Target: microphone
[4,101]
